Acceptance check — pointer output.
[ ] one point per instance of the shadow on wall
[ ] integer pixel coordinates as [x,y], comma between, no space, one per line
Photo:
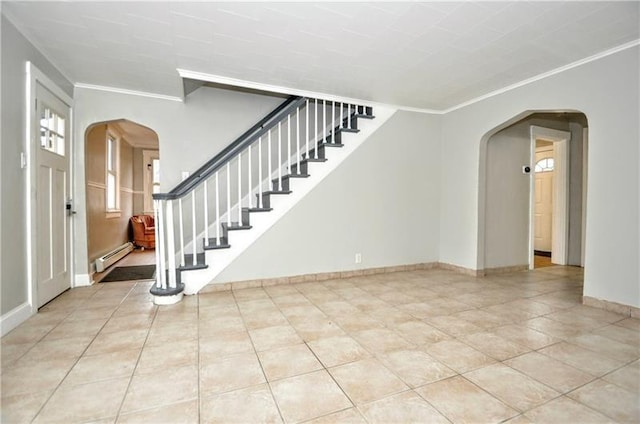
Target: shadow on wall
[120,159]
[506,220]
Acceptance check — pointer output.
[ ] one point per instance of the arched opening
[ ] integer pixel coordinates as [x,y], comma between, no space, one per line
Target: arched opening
[121,174]
[532,192]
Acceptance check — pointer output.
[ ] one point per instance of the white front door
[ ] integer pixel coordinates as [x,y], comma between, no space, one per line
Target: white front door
[544,211]
[52,223]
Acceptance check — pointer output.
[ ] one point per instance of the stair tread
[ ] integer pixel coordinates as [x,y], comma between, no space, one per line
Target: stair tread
[362,115]
[287,176]
[189,265]
[277,192]
[350,130]
[260,209]
[235,226]
[213,243]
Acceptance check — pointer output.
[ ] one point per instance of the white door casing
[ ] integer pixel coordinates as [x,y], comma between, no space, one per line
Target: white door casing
[49,151]
[560,225]
[148,156]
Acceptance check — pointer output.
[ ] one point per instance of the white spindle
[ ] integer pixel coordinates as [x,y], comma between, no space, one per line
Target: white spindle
[260,172]
[181,223]
[289,143]
[315,130]
[157,216]
[217,211]
[240,188]
[349,116]
[269,158]
[206,214]
[333,121]
[228,194]
[324,121]
[250,188]
[279,161]
[307,127]
[193,227]
[171,246]
[298,139]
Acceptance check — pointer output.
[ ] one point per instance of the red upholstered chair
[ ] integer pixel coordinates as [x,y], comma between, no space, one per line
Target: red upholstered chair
[144,231]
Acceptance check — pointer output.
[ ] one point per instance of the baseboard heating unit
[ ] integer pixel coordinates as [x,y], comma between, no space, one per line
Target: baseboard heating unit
[112,257]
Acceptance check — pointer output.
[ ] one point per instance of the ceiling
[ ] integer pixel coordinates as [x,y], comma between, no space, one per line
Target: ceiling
[429,55]
[137,135]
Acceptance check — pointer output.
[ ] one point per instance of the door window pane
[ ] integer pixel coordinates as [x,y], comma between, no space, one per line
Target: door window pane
[52,131]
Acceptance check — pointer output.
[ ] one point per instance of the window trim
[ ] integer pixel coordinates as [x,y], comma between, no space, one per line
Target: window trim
[115,211]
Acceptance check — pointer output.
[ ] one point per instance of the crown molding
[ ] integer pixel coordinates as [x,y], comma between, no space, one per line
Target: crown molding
[128,92]
[545,75]
[219,79]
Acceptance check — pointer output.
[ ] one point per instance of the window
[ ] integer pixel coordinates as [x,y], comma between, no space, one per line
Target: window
[112,182]
[544,165]
[52,131]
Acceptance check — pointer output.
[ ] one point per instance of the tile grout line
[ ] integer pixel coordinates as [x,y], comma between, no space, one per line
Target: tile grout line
[563,296]
[55,390]
[133,374]
[199,403]
[255,352]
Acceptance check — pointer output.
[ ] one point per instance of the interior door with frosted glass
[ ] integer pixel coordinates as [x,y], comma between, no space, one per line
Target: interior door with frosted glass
[52,231]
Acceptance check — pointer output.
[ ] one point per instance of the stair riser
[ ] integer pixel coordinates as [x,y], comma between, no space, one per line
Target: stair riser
[354,123]
[364,110]
[304,168]
[284,187]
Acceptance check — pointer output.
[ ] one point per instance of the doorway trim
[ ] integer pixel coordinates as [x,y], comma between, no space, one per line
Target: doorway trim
[560,222]
[34,77]
[148,156]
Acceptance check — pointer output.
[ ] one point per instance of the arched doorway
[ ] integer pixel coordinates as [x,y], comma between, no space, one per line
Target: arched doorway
[507,192]
[121,171]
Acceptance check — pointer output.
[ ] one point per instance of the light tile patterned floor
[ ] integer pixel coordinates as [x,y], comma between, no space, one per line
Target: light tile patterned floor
[424,346]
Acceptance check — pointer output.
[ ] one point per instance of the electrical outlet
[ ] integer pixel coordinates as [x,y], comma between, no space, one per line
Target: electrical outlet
[358,258]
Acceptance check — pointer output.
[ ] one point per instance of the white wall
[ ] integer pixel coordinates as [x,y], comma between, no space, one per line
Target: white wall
[606,91]
[383,202]
[506,220]
[16,51]
[189,133]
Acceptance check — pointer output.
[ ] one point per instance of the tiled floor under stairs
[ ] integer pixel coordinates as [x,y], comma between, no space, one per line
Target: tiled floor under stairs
[427,346]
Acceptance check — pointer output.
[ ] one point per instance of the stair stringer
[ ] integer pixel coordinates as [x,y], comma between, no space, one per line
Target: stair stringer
[219,260]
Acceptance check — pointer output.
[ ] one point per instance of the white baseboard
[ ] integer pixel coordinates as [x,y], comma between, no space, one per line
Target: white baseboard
[15,317]
[83,280]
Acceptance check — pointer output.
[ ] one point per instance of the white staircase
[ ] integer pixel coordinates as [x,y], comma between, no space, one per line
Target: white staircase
[208,220]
